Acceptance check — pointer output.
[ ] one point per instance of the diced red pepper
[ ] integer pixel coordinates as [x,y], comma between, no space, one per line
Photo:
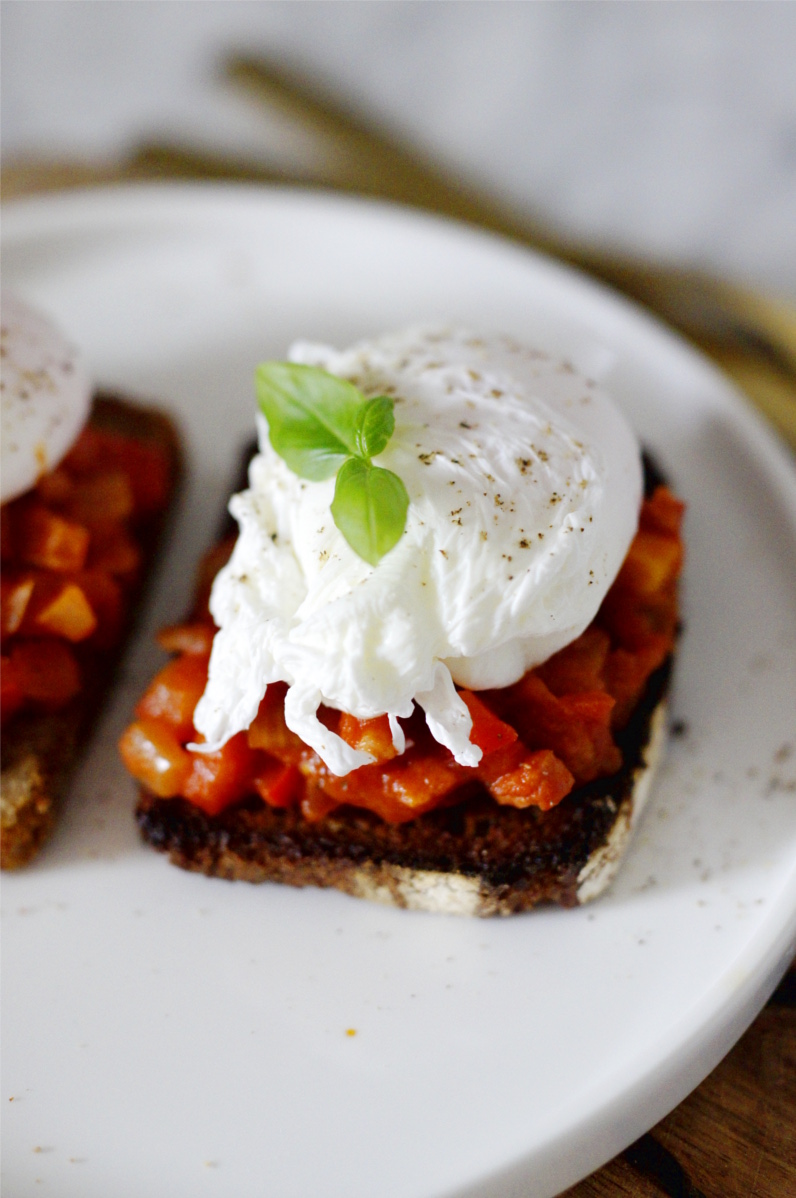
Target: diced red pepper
[45,671]
[51,542]
[107,600]
[541,780]
[220,778]
[196,638]
[653,560]
[153,754]
[173,694]
[114,552]
[575,727]
[102,498]
[488,731]
[269,731]
[55,488]
[370,736]
[86,453]
[580,666]
[662,512]
[68,614]
[277,783]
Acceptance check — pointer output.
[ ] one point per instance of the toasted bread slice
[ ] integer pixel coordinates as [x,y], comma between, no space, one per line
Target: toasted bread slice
[40,750]
[473,857]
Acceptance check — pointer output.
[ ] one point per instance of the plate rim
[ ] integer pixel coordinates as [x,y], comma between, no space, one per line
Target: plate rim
[30,216]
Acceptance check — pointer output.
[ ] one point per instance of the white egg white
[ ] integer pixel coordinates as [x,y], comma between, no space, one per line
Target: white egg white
[525,483]
[46,396]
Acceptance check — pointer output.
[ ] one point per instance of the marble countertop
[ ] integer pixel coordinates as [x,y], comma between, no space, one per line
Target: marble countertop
[667,130]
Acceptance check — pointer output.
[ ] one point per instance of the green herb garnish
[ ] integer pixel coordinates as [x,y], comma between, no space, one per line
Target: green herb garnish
[322,426]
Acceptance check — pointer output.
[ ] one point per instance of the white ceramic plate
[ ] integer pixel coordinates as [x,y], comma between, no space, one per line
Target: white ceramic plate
[167,1034]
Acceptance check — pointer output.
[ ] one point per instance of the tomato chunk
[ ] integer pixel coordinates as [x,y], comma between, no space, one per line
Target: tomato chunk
[488,731]
[269,731]
[173,694]
[50,541]
[113,551]
[153,754]
[101,498]
[69,614]
[580,666]
[542,780]
[218,779]
[196,638]
[662,512]
[370,736]
[46,671]
[277,783]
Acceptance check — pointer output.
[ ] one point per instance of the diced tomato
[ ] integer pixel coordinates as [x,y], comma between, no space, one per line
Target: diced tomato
[316,803]
[398,790]
[488,731]
[173,694]
[662,512]
[541,780]
[269,731]
[114,552]
[575,727]
[653,560]
[578,667]
[11,696]
[627,673]
[55,488]
[68,614]
[107,601]
[196,638]
[370,736]
[153,754]
[45,671]
[86,453]
[220,778]
[15,596]
[102,498]
[48,540]
[147,467]
[277,783]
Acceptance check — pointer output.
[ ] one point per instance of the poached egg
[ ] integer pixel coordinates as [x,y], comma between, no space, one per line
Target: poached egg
[46,396]
[525,484]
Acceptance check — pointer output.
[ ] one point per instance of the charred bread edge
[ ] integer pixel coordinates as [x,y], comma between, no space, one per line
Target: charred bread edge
[40,751]
[355,852]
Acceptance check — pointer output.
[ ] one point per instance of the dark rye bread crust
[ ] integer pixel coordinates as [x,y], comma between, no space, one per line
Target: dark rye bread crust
[40,751]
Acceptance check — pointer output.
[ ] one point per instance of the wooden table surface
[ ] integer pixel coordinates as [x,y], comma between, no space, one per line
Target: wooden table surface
[735,1135]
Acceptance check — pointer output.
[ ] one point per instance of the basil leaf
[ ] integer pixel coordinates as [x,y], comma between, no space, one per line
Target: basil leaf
[375,425]
[369,507]
[312,417]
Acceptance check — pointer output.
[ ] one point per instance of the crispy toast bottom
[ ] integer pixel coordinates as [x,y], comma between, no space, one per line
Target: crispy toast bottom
[471,858]
[40,750]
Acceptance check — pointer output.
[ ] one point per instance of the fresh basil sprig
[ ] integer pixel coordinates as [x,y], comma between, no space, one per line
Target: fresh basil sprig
[322,426]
